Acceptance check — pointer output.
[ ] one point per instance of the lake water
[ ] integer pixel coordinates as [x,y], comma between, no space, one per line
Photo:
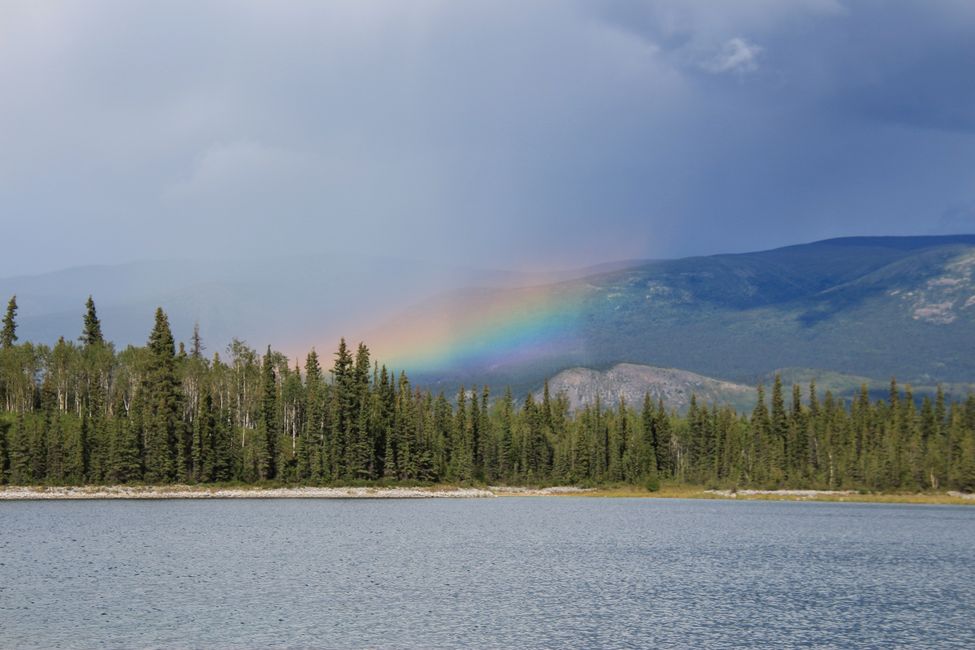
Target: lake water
[510,572]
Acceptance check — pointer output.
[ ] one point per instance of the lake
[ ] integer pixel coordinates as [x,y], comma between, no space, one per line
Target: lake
[508,572]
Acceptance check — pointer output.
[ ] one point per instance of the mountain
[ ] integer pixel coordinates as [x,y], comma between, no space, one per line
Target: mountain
[630,381]
[874,307]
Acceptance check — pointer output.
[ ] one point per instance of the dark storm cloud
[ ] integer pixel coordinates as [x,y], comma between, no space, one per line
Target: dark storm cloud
[483,133]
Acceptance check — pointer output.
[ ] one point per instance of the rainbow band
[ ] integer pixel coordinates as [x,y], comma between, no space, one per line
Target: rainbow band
[487,329]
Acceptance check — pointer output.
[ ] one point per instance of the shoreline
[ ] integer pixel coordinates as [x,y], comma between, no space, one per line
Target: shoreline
[197,492]
[124,492]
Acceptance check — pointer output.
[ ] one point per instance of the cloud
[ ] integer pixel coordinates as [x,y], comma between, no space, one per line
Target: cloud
[242,167]
[501,133]
[736,56]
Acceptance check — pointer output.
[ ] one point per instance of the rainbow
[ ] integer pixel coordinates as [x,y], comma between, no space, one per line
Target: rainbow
[485,328]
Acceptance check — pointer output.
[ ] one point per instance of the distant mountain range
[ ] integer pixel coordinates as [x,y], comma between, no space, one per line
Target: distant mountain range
[870,307]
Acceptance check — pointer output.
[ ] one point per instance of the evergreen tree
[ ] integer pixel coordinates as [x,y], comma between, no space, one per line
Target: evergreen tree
[55,452]
[196,343]
[964,473]
[312,442]
[126,465]
[462,456]
[386,406]
[76,453]
[92,332]
[779,432]
[162,404]
[758,456]
[39,451]
[204,440]
[342,414]
[651,442]
[361,418]
[8,334]
[4,452]
[267,435]
[20,453]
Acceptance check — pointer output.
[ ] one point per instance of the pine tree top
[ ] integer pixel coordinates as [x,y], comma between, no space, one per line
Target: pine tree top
[196,343]
[92,332]
[161,341]
[8,335]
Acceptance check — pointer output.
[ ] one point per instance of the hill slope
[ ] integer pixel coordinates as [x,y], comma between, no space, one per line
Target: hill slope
[869,306]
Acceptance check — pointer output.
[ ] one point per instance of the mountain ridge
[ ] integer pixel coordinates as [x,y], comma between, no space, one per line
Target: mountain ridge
[873,306]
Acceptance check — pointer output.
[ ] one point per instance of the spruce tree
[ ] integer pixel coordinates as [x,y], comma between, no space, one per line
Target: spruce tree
[76,453]
[39,449]
[779,431]
[386,407]
[361,444]
[4,452]
[665,461]
[440,432]
[650,441]
[162,406]
[55,451]
[758,458]
[223,449]
[312,440]
[403,424]
[963,473]
[473,432]
[8,334]
[204,440]
[196,343]
[267,435]
[485,433]
[342,405]
[462,460]
[92,332]
[126,465]
[20,453]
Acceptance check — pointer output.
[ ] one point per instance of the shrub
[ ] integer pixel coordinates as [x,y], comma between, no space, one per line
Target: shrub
[652,483]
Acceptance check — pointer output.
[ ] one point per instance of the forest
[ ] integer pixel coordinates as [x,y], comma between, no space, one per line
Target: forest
[82,412]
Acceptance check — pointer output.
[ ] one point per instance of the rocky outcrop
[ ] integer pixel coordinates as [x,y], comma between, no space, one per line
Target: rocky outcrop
[632,382]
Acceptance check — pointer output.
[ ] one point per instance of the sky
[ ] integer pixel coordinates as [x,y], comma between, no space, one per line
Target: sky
[494,134]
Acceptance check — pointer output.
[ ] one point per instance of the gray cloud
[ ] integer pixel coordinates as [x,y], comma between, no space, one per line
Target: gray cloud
[737,55]
[485,133]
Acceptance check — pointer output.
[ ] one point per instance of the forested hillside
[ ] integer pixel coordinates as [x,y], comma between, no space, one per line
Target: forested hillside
[82,412]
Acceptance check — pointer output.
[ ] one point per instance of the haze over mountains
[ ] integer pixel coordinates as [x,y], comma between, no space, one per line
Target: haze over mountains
[873,307]
[291,303]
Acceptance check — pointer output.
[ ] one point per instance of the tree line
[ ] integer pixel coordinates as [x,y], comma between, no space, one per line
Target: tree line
[82,412]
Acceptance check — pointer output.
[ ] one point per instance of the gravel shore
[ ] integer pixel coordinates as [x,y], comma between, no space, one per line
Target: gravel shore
[25,493]
[807,494]
[189,492]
